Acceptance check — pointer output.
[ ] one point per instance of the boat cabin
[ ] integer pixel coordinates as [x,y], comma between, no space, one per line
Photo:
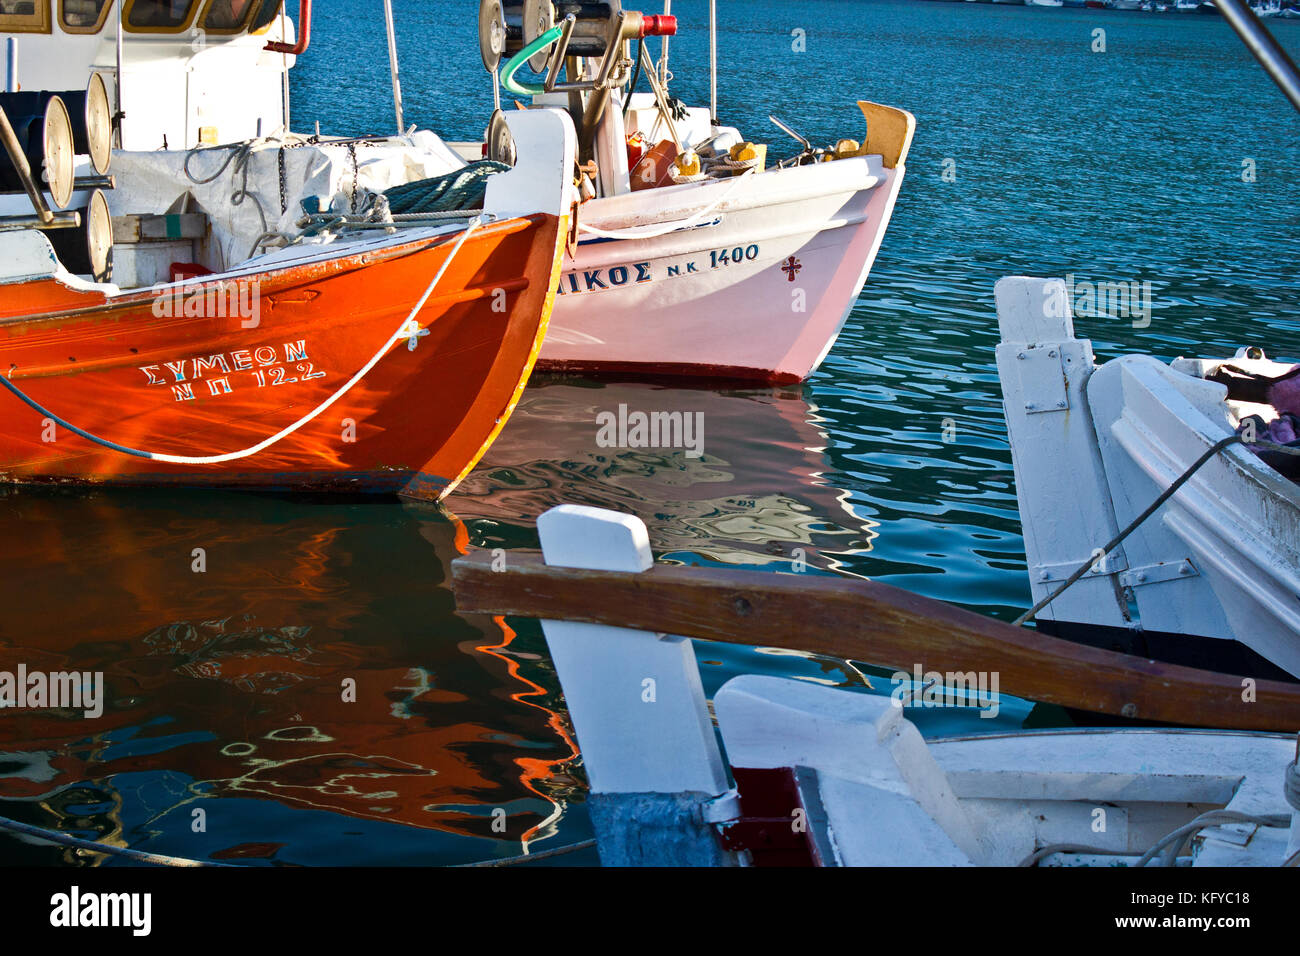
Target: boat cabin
[192,71]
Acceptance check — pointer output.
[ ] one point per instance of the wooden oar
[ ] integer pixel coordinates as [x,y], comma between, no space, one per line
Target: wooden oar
[878,624]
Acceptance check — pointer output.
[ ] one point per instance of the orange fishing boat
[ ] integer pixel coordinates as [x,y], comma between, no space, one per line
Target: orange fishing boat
[329,344]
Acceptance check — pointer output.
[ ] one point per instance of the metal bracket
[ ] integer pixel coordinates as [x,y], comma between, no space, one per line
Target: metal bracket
[1042,379]
[1110,564]
[604,73]
[1159,573]
[1234,834]
[723,808]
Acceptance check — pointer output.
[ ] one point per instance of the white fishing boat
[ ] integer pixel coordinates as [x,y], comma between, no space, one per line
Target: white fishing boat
[1213,576]
[1186,6]
[818,775]
[1044,3]
[1126,5]
[1267,9]
[696,255]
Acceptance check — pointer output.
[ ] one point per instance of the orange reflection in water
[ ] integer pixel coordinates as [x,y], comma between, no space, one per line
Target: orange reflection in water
[276,649]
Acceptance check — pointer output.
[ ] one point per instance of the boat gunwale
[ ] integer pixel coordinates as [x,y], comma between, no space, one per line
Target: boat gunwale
[364,254]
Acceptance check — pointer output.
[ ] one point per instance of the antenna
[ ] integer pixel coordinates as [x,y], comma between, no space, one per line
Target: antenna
[1263,47]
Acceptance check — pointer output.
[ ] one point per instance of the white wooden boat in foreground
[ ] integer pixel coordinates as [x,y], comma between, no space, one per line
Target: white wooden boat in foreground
[820,775]
[1213,577]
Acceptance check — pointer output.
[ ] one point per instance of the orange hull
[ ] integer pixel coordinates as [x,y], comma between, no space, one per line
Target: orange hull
[204,386]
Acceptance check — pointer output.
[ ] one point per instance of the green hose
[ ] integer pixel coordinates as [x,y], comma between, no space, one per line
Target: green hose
[518,60]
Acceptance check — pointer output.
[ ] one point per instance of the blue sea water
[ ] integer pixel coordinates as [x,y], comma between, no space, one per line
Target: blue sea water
[1034,154]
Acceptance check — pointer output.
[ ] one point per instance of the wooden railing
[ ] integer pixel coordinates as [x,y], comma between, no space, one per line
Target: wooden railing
[873,623]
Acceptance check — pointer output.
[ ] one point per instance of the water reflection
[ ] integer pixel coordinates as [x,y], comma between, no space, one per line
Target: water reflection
[756,494]
[307,682]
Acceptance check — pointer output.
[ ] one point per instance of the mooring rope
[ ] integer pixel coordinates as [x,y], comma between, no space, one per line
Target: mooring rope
[1133,525]
[68,840]
[240,155]
[672,226]
[403,330]
[530,857]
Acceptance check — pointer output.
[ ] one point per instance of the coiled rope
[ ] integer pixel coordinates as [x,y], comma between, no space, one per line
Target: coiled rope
[68,840]
[403,331]
[1133,525]
[240,154]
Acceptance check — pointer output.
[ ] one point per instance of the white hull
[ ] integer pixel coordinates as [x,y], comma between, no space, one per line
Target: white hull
[1219,562]
[748,276]
[757,288]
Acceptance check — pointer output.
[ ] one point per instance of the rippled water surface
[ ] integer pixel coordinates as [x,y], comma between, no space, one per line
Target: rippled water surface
[225,704]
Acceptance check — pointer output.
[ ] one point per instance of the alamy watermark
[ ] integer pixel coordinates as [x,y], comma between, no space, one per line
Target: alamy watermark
[950,689]
[241,299]
[637,429]
[78,908]
[64,690]
[1110,300]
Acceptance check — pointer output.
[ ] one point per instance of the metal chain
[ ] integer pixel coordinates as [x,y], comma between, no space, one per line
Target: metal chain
[352,154]
[284,201]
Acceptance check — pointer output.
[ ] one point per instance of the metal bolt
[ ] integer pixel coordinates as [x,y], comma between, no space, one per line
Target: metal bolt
[1052,354]
[1021,356]
[1061,404]
[1030,406]
[1141,576]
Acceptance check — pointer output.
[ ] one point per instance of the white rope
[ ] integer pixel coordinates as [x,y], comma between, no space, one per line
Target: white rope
[669,227]
[403,331]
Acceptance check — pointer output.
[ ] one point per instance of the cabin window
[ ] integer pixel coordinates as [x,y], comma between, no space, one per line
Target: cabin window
[159,16]
[83,16]
[228,16]
[25,16]
[269,11]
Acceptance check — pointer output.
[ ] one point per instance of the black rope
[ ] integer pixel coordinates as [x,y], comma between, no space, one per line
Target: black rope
[636,75]
[530,857]
[1151,509]
[68,840]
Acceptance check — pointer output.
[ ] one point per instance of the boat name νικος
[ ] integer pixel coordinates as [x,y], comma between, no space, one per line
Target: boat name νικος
[615,277]
[589,280]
